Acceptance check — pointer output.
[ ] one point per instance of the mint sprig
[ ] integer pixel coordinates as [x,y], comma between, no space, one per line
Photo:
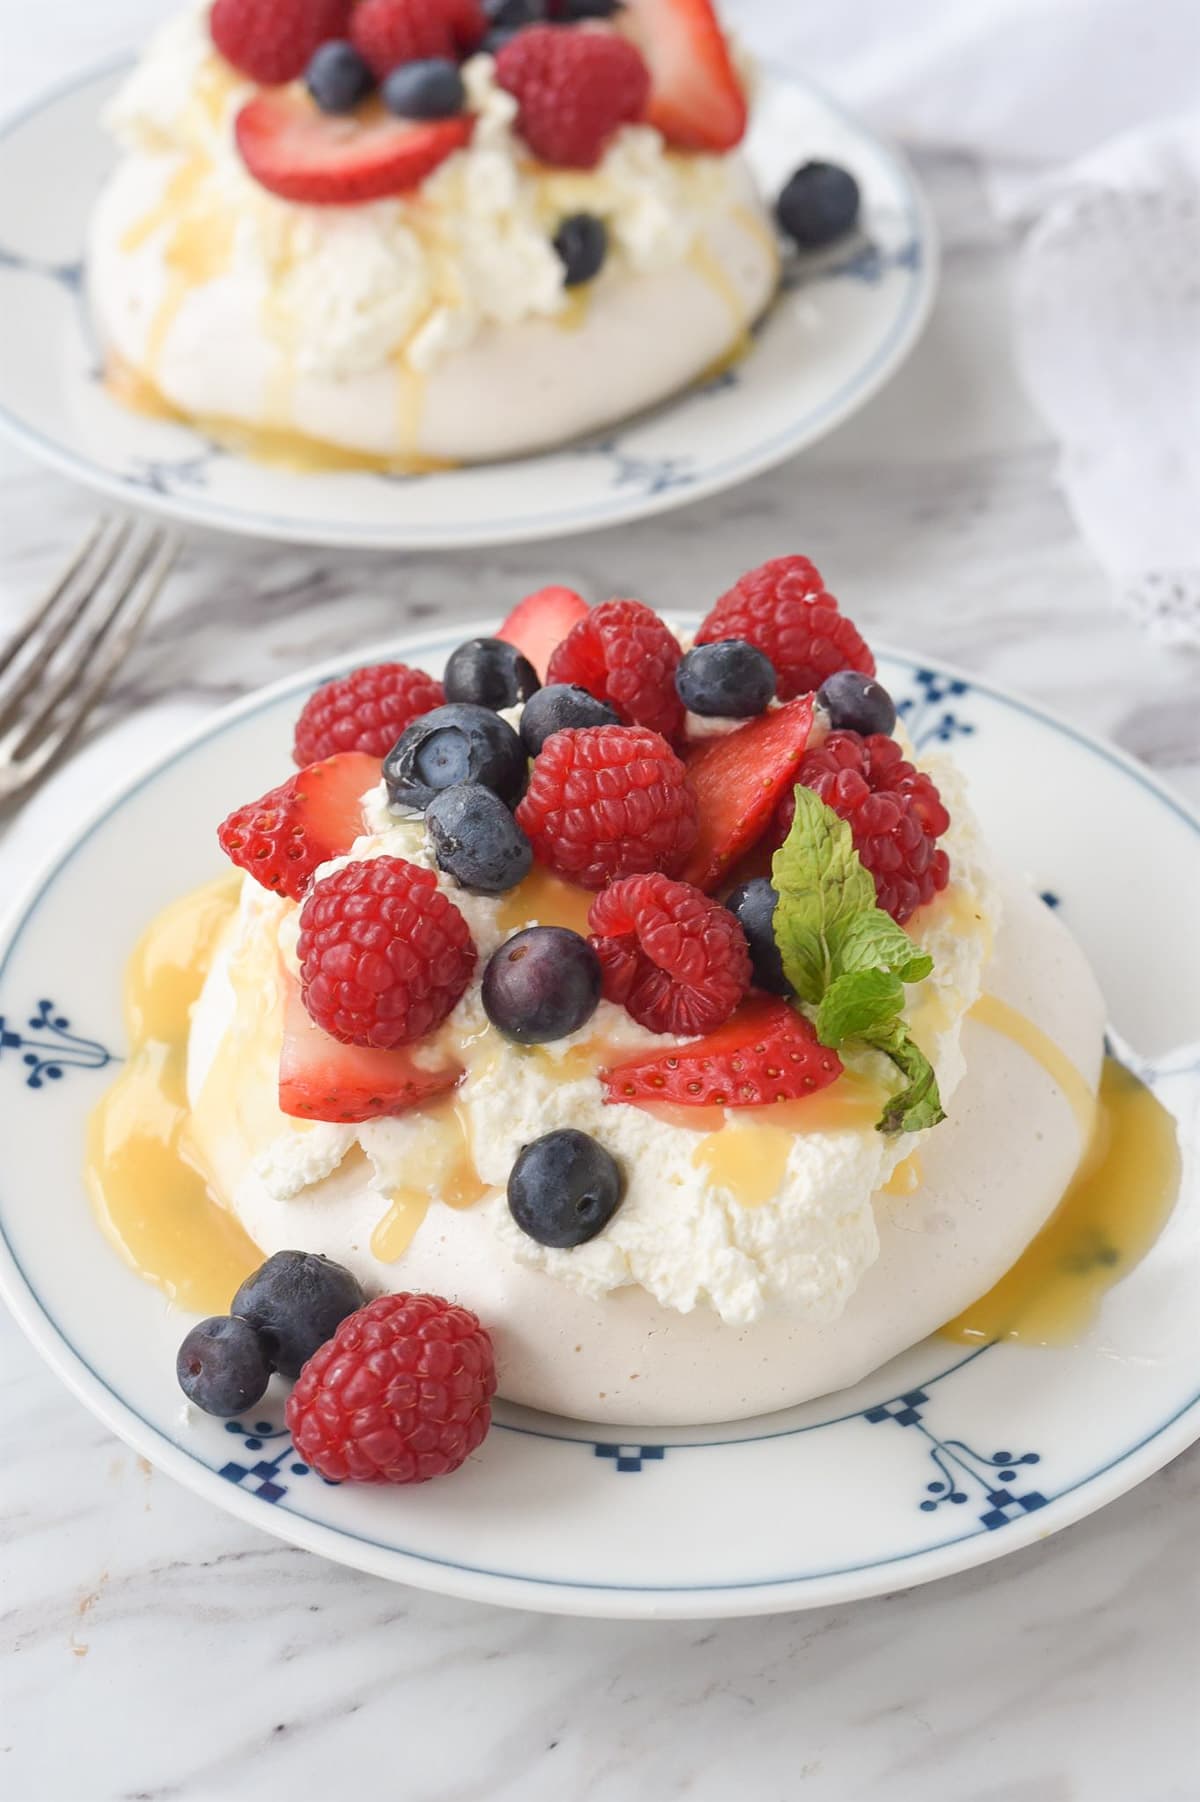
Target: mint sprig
[847,959]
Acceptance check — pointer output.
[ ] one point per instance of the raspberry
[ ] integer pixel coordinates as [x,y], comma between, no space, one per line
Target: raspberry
[384,954]
[387,33]
[893,810]
[574,89]
[364,711]
[608,801]
[623,654]
[676,960]
[783,608]
[271,41]
[766,1053]
[400,1393]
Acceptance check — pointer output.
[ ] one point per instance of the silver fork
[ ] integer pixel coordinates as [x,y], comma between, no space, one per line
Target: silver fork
[63,656]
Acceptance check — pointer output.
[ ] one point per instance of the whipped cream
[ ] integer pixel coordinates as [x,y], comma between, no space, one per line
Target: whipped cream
[342,290]
[679,1235]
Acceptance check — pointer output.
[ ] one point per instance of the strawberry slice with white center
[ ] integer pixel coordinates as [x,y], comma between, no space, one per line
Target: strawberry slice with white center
[320,1079]
[738,781]
[325,159]
[538,624]
[696,97]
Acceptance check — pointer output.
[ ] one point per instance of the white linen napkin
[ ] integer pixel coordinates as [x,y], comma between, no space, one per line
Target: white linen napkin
[1086,117]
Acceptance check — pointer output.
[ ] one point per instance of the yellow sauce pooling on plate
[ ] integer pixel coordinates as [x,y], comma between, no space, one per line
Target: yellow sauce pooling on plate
[1117,1204]
[151,1198]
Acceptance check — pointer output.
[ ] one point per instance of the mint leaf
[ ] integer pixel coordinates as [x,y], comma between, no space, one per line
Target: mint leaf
[874,941]
[846,958]
[822,886]
[858,1003]
[918,1104]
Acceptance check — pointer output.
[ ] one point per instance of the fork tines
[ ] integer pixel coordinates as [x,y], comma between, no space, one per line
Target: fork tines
[61,659]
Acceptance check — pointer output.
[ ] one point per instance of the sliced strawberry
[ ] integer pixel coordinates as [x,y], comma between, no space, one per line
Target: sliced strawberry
[328,159]
[696,97]
[738,781]
[767,1052]
[538,624]
[283,837]
[319,1079]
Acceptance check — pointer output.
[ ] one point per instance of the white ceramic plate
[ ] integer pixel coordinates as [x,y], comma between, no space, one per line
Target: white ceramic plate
[943,1460]
[843,325]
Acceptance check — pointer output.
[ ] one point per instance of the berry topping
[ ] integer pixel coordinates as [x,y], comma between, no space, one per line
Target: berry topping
[675,959]
[476,840]
[767,1052]
[490,672]
[753,907]
[608,801]
[364,711]
[320,1079]
[819,204]
[894,812]
[222,1366]
[282,838]
[294,1302]
[560,708]
[857,703]
[570,11]
[384,954]
[624,654]
[431,89]
[696,96]
[272,40]
[455,744]
[782,608]
[739,780]
[573,89]
[582,245]
[729,680]
[538,624]
[400,1393]
[541,984]
[301,154]
[390,32]
[337,77]
[564,1189]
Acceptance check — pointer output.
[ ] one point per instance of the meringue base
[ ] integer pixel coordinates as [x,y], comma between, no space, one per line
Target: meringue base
[989,1178]
[193,340]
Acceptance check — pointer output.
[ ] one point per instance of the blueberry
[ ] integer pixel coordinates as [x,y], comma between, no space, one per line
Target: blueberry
[729,680]
[337,77]
[857,703]
[511,15]
[452,745]
[295,1302]
[567,11]
[487,672]
[223,1366]
[564,1188]
[541,984]
[477,841]
[820,203]
[493,42]
[582,245]
[753,906]
[429,89]
[561,708]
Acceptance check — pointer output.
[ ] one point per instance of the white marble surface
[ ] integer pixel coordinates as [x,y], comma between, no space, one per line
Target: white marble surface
[150,1647]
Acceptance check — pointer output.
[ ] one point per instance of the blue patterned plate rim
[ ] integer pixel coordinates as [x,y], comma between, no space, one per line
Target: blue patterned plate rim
[623,505]
[797,1589]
